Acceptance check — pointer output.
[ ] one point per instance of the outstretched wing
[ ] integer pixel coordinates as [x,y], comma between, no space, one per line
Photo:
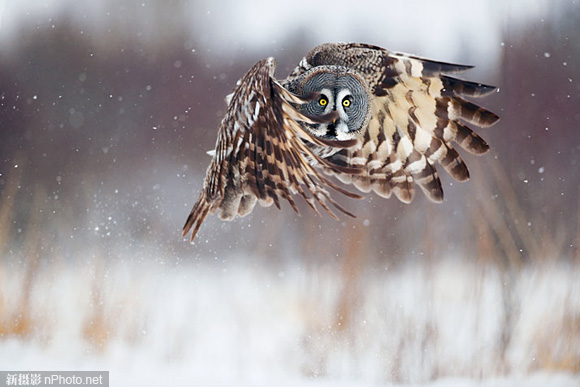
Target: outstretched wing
[261,155]
[417,114]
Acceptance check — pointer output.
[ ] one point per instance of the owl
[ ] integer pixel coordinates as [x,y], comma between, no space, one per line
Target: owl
[377,120]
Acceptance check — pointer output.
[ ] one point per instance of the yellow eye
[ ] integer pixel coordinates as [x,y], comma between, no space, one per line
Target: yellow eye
[322,101]
[346,102]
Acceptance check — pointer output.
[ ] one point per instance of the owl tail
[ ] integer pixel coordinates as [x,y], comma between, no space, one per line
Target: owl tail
[196,216]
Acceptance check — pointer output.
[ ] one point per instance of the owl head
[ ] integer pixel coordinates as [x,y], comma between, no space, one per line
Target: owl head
[334,89]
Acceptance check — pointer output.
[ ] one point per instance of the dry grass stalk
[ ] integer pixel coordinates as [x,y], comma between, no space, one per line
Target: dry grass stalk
[97,329]
[515,210]
[558,348]
[577,257]
[20,321]
[495,221]
[9,198]
[486,246]
[352,270]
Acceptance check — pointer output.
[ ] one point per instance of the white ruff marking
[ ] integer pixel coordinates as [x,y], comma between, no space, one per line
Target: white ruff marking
[330,105]
[318,130]
[211,152]
[342,132]
[341,94]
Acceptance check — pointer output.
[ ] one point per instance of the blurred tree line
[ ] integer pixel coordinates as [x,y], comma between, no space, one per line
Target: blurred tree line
[104,133]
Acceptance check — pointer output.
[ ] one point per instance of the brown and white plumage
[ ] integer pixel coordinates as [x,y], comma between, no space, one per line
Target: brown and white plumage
[261,152]
[417,112]
[271,145]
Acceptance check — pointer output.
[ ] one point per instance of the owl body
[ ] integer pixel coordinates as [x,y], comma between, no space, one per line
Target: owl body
[378,120]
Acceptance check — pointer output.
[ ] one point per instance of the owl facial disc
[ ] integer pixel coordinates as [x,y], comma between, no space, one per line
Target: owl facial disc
[338,90]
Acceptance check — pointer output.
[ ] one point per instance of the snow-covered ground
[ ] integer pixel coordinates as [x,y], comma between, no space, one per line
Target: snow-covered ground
[236,322]
[76,294]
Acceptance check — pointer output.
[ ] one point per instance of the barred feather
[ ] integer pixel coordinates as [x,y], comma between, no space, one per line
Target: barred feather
[417,113]
[266,154]
[260,155]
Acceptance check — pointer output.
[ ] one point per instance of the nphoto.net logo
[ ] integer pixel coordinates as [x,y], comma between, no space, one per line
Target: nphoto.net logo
[54,378]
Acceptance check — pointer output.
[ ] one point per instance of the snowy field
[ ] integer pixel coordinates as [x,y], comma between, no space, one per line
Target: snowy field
[237,323]
[107,109]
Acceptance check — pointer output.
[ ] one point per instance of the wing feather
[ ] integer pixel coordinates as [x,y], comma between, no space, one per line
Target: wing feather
[261,155]
[418,112]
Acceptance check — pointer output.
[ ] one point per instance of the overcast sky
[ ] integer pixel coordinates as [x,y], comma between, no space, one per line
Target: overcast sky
[446,30]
